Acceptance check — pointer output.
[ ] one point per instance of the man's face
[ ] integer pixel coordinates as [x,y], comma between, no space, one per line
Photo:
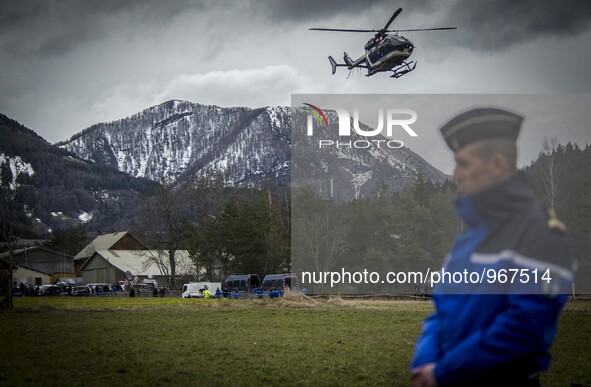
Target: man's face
[472,174]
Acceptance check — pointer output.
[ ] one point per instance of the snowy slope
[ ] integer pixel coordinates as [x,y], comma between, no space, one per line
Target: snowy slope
[178,140]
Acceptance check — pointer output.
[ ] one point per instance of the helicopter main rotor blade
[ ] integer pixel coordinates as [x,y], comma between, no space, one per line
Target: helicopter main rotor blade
[392,18]
[340,30]
[427,29]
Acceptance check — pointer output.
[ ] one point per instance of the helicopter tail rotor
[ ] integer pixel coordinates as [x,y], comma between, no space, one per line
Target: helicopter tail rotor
[348,60]
[334,64]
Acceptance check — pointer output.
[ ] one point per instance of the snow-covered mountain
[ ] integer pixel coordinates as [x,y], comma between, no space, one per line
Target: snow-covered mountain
[176,140]
[352,166]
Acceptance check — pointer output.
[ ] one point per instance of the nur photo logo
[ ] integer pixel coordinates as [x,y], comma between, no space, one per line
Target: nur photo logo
[393,118]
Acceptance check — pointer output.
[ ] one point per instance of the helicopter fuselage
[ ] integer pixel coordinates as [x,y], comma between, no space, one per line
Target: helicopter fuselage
[390,51]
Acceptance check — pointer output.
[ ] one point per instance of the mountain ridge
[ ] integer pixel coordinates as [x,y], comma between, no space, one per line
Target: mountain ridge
[68,190]
[176,140]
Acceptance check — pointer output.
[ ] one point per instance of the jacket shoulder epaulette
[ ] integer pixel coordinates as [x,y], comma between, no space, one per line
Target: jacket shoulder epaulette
[554,223]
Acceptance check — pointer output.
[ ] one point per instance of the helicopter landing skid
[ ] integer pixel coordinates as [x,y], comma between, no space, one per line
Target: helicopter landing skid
[404,68]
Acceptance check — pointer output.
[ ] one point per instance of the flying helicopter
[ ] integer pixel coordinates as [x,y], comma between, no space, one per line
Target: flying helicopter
[383,52]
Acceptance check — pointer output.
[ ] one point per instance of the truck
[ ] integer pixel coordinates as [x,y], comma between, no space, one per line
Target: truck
[243,283]
[280,282]
[195,289]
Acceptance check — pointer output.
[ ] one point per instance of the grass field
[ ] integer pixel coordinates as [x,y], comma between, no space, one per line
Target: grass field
[291,341]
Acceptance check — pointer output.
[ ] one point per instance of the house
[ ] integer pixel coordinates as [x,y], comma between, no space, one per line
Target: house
[115,241]
[31,276]
[112,266]
[40,264]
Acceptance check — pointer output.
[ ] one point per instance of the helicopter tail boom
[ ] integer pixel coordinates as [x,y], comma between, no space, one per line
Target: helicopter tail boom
[334,65]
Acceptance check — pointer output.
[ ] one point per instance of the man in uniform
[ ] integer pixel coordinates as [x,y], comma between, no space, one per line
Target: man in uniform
[498,330]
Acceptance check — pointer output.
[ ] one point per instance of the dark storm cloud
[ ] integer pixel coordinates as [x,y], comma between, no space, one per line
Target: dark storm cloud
[498,25]
[51,28]
[295,11]
[484,25]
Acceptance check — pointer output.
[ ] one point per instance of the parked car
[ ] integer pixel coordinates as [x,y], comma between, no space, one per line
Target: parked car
[80,291]
[142,289]
[96,287]
[27,289]
[49,290]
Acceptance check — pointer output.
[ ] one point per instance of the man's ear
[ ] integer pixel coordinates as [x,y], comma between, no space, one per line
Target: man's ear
[499,165]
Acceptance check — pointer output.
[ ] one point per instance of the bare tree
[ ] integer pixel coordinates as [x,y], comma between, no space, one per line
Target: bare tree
[164,221]
[549,170]
[168,217]
[160,258]
[320,232]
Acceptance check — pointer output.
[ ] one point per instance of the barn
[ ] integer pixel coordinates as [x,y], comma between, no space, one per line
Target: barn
[122,240]
[39,265]
[112,266]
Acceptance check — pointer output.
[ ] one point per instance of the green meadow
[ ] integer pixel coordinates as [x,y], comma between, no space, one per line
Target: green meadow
[291,341]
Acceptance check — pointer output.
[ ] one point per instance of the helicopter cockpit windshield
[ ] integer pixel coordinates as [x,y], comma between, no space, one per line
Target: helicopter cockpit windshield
[385,47]
[398,40]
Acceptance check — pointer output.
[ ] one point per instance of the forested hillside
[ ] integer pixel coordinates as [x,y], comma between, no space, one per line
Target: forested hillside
[414,228]
[66,190]
[561,178]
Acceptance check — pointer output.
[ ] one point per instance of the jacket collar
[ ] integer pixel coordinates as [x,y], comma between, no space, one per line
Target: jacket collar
[496,203]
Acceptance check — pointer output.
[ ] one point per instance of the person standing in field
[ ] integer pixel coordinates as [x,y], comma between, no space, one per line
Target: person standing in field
[496,332]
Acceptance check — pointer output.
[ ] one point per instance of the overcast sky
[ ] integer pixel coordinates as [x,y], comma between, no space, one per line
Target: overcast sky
[65,65]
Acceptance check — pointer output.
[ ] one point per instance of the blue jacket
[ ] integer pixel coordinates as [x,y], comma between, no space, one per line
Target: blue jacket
[490,331]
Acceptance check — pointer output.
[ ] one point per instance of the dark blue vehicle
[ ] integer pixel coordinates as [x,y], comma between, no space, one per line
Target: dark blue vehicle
[244,283]
[280,281]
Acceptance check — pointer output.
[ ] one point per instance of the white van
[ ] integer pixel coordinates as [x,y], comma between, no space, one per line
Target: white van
[195,289]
